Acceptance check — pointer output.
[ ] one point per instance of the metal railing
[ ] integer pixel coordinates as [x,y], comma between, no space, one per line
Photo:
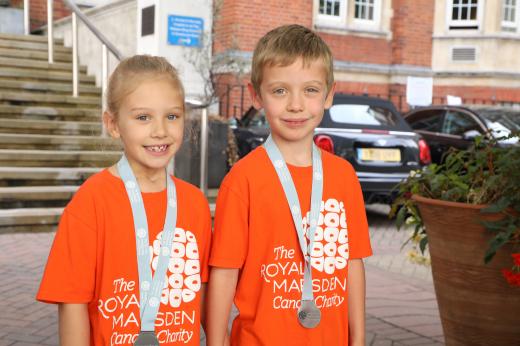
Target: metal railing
[107,46]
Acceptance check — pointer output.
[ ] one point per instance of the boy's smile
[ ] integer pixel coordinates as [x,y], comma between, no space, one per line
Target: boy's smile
[294,98]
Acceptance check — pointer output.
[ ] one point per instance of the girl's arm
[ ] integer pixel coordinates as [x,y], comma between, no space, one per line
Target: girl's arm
[203,304]
[356,302]
[74,325]
[221,291]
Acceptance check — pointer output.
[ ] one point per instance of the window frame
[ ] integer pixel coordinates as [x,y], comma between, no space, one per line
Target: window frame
[471,24]
[331,20]
[368,22]
[505,25]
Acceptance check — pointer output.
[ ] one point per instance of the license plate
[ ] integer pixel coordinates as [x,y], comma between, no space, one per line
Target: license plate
[379,154]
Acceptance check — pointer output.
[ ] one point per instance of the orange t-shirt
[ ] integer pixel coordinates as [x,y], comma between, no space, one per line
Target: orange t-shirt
[93,260]
[254,232]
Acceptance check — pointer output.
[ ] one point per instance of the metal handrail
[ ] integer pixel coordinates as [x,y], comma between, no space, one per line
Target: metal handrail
[76,12]
[93,29]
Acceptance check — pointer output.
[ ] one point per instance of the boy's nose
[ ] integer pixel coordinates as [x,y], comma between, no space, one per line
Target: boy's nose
[295,103]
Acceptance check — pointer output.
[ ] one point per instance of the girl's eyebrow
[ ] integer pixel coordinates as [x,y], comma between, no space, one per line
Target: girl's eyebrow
[150,109]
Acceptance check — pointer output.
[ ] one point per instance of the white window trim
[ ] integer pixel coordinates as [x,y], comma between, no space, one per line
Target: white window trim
[507,24]
[370,23]
[339,21]
[453,24]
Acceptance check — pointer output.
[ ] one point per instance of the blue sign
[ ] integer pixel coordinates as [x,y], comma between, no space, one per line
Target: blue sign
[185,31]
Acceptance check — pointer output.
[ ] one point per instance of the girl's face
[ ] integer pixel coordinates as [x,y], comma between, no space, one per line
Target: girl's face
[150,124]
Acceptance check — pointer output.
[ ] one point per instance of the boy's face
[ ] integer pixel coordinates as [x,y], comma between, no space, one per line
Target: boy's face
[294,98]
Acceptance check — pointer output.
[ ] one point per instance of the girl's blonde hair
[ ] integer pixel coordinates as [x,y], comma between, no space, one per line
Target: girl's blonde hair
[134,70]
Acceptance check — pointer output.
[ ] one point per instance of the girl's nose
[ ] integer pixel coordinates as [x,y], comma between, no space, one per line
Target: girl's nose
[159,129]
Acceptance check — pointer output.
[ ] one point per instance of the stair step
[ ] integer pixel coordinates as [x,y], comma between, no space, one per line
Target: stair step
[34,55]
[44,176]
[35,196]
[54,158]
[57,142]
[49,127]
[47,87]
[49,99]
[50,113]
[28,38]
[29,74]
[41,65]
[32,45]
[29,219]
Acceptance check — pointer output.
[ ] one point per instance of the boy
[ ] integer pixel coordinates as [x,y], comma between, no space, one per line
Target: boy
[290,224]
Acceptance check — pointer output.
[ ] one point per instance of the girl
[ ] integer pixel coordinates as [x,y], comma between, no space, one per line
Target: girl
[129,262]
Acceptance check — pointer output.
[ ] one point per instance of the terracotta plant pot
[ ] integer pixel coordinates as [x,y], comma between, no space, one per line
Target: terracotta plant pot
[476,304]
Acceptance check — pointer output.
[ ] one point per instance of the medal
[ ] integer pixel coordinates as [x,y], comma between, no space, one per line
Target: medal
[146,339]
[308,314]
[150,289]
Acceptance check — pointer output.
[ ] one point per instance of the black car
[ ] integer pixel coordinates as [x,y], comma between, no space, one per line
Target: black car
[445,126]
[368,132]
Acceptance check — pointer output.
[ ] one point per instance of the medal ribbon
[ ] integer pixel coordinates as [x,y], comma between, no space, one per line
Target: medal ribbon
[294,205]
[149,289]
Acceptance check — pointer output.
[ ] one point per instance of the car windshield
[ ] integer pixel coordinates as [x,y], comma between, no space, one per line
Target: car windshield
[502,122]
[362,115]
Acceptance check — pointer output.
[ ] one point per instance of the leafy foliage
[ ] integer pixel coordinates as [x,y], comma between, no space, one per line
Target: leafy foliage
[486,173]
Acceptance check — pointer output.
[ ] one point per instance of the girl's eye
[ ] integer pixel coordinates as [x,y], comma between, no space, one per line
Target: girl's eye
[279,91]
[143,117]
[172,116]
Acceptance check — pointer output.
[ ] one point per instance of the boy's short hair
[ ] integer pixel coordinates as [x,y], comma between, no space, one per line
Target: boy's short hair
[283,45]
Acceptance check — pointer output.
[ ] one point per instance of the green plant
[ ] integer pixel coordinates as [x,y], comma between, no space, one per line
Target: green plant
[487,174]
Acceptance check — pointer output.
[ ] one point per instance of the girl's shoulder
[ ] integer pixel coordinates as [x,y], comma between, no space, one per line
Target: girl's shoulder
[189,191]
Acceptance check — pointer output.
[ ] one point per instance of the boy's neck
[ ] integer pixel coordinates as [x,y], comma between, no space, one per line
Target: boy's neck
[296,153]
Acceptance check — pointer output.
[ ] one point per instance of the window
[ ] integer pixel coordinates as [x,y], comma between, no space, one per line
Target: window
[364,9]
[464,14]
[362,115]
[460,124]
[427,120]
[510,16]
[332,12]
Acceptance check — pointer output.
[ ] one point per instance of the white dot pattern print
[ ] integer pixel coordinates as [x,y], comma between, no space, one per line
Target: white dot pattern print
[183,274]
[329,252]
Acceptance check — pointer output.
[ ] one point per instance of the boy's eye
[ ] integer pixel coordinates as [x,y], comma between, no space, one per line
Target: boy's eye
[279,91]
[312,90]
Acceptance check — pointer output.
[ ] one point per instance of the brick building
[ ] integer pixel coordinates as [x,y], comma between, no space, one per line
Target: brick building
[469,47]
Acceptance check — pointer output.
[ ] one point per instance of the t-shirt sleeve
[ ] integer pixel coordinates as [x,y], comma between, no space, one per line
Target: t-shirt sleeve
[69,275]
[357,225]
[206,243]
[230,237]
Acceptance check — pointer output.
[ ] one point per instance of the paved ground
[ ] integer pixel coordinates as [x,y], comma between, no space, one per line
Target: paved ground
[401,305]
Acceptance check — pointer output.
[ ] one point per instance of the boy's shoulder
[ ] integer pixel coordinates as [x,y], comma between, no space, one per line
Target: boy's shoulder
[251,165]
[336,163]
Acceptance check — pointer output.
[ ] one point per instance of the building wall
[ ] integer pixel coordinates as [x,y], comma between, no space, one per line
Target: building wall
[38,11]
[411,38]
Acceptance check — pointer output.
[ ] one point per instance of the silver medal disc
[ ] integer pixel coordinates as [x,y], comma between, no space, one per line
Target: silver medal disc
[309,315]
[146,339]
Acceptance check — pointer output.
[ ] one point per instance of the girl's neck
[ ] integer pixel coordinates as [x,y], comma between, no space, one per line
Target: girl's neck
[148,181]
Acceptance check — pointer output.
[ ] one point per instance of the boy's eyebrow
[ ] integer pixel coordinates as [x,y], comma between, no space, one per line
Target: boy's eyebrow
[306,82]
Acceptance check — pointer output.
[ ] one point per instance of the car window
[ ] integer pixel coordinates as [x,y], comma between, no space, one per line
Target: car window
[428,120]
[460,124]
[362,115]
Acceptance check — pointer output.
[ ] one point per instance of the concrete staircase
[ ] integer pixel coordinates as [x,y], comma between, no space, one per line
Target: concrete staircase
[50,142]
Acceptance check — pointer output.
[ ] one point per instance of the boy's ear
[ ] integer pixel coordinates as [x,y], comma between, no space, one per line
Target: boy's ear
[110,123]
[255,97]
[330,96]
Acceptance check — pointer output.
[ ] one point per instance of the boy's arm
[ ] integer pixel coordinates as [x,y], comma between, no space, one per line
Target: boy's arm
[356,302]
[74,325]
[221,291]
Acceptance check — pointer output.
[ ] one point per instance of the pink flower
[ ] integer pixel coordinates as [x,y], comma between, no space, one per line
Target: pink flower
[516,258]
[513,279]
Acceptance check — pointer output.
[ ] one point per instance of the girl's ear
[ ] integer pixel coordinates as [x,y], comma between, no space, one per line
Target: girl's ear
[110,123]
[255,97]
